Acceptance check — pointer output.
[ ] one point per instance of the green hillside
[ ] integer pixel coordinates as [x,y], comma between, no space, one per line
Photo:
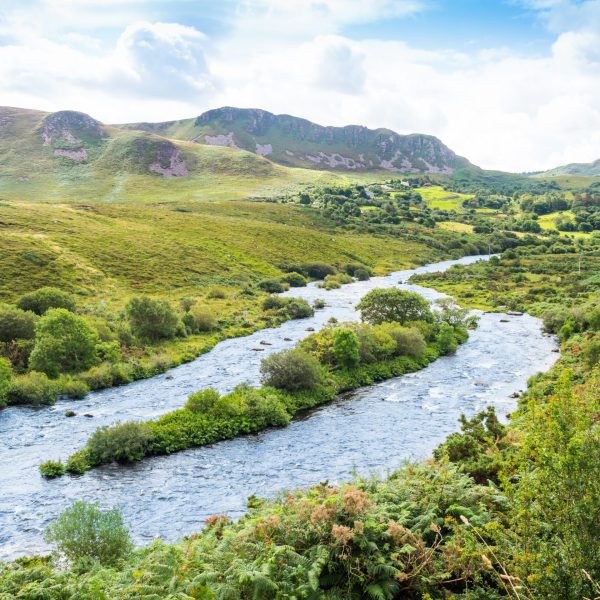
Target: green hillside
[579,169]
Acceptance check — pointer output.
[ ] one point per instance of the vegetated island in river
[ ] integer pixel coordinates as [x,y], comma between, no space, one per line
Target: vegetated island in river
[399,334]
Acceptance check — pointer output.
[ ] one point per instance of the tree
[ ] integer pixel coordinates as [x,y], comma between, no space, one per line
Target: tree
[5,380]
[16,324]
[387,305]
[83,531]
[346,347]
[64,343]
[152,319]
[291,370]
[46,298]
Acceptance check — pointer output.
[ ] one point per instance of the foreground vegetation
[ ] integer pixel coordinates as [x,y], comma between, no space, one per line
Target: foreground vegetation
[400,334]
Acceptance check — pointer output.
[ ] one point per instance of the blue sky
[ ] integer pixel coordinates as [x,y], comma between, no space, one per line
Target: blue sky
[511,84]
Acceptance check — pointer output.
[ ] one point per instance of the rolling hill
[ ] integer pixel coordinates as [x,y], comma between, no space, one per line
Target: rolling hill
[578,169]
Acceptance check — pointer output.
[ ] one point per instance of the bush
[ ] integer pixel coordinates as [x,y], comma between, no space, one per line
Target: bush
[152,319]
[77,463]
[123,443]
[296,308]
[375,344]
[265,409]
[75,389]
[346,347]
[200,319]
[64,342]
[318,270]
[32,388]
[362,274]
[16,324]
[83,531]
[409,340]
[217,293]
[46,298]
[52,469]
[386,305]
[446,340]
[291,370]
[319,303]
[294,279]
[5,380]
[203,402]
[99,377]
[273,286]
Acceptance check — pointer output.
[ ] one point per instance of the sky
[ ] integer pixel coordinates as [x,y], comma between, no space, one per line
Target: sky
[510,84]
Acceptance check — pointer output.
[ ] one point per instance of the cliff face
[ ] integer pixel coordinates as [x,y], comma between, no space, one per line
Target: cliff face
[297,142]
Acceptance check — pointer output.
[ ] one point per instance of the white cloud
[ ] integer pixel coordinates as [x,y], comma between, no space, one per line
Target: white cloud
[338,67]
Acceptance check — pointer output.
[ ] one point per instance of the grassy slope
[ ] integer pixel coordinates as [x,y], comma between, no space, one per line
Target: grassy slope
[113,250]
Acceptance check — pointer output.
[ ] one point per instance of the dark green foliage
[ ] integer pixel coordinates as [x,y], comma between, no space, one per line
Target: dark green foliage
[288,308]
[273,286]
[84,531]
[291,370]
[16,324]
[64,342]
[386,305]
[202,402]
[152,319]
[294,279]
[346,347]
[45,298]
[123,443]
[52,469]
[5,380]
[200,319]
[32,389]
[477,449]
[318,270]
[446,339]
[362,274]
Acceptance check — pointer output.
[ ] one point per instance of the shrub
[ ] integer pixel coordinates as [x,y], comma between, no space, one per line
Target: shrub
[291,370]
[123,443]
[83,531]
[296,308]
[273,286]
[203,402]
[46,298]
[385,305]
[346,347]
[64,342]
[265,409]
[375,344]
[17,352]
[52,468]
[77,463]
[446,340]
[217,293]
[152,319]
[98,377]
[16,324]
[5,380]
[362,274]
[32,388]
[200,319]
[294,279]
[319,303]
[318,270]
[409,340]
[74,388]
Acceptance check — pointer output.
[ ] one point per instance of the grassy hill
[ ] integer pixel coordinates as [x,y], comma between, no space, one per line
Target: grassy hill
[579,169]
[70,157]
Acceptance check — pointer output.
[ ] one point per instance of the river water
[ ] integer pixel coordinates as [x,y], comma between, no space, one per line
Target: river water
[369,431]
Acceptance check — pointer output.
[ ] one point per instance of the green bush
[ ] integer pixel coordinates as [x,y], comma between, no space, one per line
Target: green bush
[217,293]
[386,305]
[64,343]
[5,380]
[296,308]
[291,370]
[123,443]
[52,469]
[46,298]
[318,270]
[446,339]
[294,279]
[77,464]
[152,320]
[200,319]
[362,274]
[409,340]
[203,402]
[32,388]
[74,388]
[346,347]
[99,377]
[83,531]
[273,286]
[319,303]
[16,324]
[375,343]
[265,409]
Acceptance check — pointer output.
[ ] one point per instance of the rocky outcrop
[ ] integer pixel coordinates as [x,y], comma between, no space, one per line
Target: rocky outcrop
[169,162]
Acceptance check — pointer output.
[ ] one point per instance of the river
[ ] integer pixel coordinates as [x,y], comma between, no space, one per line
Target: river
[369,431]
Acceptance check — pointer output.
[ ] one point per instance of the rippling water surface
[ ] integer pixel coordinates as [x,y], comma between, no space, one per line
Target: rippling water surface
[372,430]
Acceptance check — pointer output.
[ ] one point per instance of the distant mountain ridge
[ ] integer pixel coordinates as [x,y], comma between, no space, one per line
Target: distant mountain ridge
[580,169]
[297,142]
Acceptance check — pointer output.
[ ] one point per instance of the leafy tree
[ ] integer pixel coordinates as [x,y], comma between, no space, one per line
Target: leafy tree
[84,531]
[5,380]
[346,347]
[152,319]
[16,324]
[64,342]
[291,370]
[46,298]
[386,305]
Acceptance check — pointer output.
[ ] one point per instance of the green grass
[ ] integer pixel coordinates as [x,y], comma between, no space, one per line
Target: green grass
[437,197]
[456,227]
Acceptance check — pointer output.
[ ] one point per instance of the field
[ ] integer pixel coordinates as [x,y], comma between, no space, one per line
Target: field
[437,197]
[113,250]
